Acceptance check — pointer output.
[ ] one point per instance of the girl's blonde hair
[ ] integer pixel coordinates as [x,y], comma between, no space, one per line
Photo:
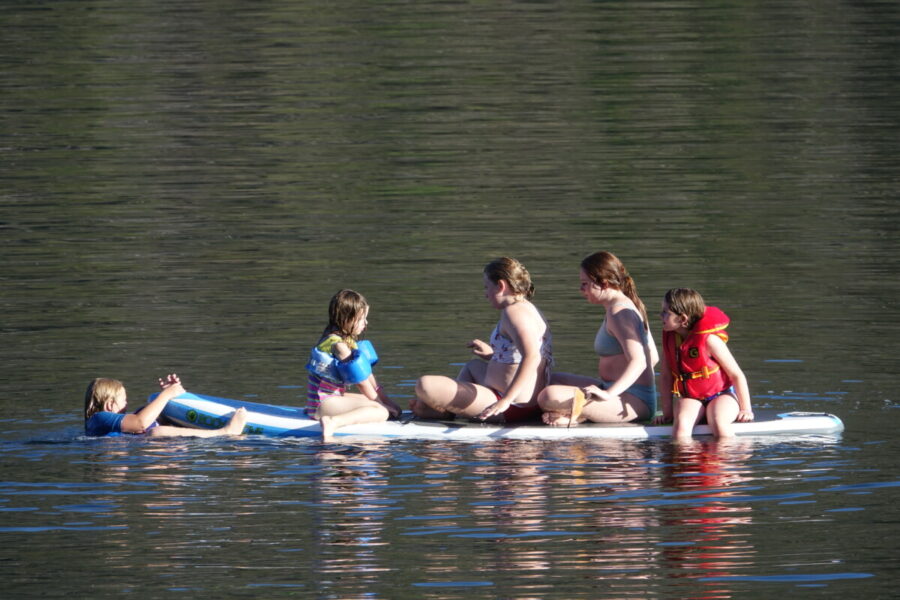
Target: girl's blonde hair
[344,310]
[686,302]
[513,273]
[98,393]
[604,268]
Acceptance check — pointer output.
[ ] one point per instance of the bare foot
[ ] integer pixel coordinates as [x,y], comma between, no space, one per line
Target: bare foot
[556,419]
[236,423]
[423,411]
[327,428]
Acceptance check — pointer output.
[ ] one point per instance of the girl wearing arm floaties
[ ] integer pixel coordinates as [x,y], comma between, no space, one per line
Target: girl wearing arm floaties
[504,381]
[104,412]
[340,359]
[698,368]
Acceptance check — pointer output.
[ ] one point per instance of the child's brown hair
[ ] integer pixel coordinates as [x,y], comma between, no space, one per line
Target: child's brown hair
[344,310]
[686,303]
[605,268]
[512,272]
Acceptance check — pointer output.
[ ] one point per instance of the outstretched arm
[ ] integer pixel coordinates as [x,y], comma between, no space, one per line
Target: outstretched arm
[139,421]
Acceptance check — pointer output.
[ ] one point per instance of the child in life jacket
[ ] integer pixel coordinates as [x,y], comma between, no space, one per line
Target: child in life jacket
[698,369]
[339,360]
[104,412]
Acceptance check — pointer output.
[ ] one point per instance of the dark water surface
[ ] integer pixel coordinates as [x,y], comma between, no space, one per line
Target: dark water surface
[183,186]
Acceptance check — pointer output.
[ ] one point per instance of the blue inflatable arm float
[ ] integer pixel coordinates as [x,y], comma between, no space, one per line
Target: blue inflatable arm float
[358,366]
[367,351]
[355,369]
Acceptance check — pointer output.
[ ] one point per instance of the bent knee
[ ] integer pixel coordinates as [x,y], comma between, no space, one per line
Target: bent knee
[543,399]
[428,386]
[555,396]
[383,414]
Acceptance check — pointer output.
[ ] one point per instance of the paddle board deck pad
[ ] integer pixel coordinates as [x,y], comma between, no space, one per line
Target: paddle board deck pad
[210,412]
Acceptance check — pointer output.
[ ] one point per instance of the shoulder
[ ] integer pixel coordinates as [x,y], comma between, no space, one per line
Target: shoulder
[525,309]
[715,342]
[332,342]
[103,423]
[523,315]
[717,347]
[624,317]
[342,349]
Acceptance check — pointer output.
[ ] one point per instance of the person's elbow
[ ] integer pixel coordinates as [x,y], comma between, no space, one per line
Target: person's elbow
[531,362]
[133,423]
[654,358]
[638,361]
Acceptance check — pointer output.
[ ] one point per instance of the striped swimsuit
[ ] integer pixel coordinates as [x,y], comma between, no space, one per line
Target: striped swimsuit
[318,388]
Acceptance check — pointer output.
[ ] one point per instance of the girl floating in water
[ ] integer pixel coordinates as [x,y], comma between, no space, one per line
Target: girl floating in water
[104,412]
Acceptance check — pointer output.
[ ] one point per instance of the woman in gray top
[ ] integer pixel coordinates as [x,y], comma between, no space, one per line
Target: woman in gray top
[625,387]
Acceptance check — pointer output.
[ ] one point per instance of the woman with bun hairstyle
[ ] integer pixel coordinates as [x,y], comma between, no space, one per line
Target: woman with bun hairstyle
[624,389]
[503,381]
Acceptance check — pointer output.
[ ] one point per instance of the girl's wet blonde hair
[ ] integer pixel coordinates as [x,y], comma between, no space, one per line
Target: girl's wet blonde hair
[98,393]
[344,310]
[605,269]
[686,302]
[513,273]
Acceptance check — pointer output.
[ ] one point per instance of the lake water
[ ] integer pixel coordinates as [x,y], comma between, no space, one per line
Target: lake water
[183,186]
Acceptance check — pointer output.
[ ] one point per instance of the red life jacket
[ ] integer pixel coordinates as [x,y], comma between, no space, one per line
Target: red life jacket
[695,373]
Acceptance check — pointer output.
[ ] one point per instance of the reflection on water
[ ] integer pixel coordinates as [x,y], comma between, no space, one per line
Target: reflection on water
[707,480]
[533,519]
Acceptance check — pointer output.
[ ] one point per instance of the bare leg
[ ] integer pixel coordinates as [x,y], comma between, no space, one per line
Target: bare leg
[688,413]
[235,426]
[473,371]
[445,395]
[423,411]
[435,392]
[556,402]
[625,410]
[556,399]
[350,409]
[720,415]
